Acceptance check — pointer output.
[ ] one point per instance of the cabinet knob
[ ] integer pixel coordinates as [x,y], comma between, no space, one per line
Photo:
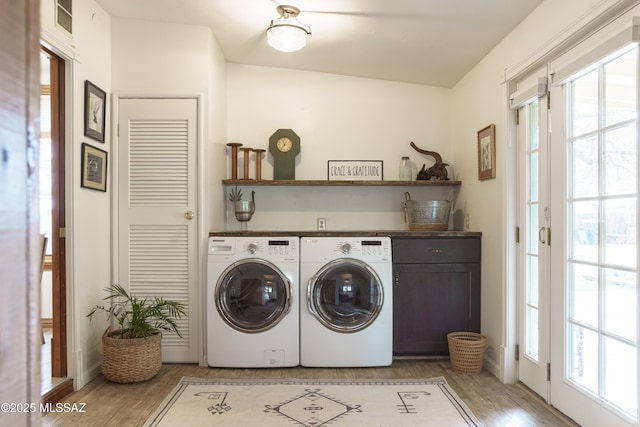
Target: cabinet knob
[189,215]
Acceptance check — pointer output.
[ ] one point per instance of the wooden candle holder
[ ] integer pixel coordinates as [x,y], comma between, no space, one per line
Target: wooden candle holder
[234,158]
[246,152]
[259,152]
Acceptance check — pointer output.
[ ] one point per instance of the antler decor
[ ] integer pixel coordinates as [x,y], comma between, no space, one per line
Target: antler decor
[437,171]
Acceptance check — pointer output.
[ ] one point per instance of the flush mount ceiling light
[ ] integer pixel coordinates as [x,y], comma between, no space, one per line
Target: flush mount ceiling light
[286,33]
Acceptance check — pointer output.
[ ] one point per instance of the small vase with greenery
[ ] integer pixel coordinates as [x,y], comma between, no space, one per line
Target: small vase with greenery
[140,317]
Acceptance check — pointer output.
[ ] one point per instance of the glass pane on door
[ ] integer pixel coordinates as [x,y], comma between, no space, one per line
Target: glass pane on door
[602,280]
[532,309]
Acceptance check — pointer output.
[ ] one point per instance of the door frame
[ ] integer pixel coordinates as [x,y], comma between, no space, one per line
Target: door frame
[594,18]
[58,223]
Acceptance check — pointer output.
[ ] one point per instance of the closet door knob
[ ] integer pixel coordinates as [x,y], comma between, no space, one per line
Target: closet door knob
[189,215]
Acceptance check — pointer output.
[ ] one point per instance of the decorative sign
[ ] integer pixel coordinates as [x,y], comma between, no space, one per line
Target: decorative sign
[355,170]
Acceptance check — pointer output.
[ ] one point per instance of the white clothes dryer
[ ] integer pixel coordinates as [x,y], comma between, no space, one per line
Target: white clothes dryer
[346,317]
[252,302]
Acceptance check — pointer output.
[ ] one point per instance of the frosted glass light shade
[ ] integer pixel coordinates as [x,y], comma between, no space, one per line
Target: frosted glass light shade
[286,33]
[286,38]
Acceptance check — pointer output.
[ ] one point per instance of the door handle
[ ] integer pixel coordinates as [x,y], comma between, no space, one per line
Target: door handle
[542,235]
[189,215]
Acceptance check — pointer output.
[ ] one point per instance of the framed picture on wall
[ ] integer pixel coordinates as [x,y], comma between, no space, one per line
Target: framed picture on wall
[487,152]
[94,111]
[94,168]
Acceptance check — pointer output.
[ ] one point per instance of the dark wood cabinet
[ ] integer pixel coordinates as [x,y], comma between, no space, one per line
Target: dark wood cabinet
[436,291]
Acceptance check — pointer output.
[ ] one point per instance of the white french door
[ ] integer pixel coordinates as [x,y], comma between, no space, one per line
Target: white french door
[578,213]
[533,271]
[594,262]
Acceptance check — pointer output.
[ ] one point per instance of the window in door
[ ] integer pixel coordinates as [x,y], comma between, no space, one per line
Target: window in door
[532,207]
[602,219]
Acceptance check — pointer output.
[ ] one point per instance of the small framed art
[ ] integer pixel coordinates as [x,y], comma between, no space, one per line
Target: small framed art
[94,168]
[487,152]
[94,111]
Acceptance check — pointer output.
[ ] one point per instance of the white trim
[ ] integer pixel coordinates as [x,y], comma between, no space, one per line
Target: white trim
[532,86]
[509,366]
[620,33]
[598,16]
[52,41]
[73,323]
[73,332]
[202,227]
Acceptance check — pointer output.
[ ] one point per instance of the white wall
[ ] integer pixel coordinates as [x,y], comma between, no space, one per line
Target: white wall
[90,228]
[479,99]
[188,61]
[162,59]
[46,297]
[122,56]
[337,118]
[88,55]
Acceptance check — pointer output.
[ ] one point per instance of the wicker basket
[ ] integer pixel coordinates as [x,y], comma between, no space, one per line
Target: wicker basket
[466,351]
[130,360]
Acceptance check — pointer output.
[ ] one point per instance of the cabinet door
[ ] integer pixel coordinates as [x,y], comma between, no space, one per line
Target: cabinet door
[431,300]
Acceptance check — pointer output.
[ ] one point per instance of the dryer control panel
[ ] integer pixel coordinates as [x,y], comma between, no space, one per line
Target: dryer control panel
[375,247]
[366,249]
[281,247]
[270,247]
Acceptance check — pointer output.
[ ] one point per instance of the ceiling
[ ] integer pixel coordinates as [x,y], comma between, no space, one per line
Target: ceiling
[431,42]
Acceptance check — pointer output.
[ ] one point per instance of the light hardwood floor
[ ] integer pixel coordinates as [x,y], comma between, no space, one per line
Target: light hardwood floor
[124,405]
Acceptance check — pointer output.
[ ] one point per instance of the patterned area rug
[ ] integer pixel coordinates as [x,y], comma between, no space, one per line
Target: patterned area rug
[313,403]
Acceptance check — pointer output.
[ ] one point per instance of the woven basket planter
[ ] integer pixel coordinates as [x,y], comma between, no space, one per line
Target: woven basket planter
[466,351]
[130,360]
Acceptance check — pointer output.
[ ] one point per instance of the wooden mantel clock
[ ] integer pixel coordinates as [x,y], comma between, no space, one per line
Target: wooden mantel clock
[284,146]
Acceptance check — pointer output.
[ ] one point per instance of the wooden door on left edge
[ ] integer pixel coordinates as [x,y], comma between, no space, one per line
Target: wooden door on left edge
[157,206]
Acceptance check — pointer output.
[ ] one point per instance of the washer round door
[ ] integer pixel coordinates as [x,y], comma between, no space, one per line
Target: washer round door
[253,295]
[346,295]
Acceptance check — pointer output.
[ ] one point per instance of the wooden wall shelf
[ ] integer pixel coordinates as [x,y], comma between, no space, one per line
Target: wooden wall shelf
[338,183]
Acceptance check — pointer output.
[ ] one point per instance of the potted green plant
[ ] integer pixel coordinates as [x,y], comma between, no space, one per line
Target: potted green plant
[133,353]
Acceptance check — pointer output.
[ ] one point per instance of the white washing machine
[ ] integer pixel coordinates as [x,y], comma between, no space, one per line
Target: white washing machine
[253,302]
[346,317]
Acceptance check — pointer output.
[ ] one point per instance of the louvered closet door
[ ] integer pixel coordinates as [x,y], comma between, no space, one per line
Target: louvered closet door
[157,183]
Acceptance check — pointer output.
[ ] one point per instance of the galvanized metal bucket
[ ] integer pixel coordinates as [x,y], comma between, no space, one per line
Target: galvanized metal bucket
[426,215]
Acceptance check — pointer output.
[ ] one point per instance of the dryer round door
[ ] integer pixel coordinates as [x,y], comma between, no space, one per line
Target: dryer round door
[346,295]
[253,295]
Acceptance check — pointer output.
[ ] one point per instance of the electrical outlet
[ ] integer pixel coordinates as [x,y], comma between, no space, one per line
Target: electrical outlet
[322,224]
[466,221]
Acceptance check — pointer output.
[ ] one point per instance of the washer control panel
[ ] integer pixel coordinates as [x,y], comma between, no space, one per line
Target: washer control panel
[271,247]
[236,248]
[365,249]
